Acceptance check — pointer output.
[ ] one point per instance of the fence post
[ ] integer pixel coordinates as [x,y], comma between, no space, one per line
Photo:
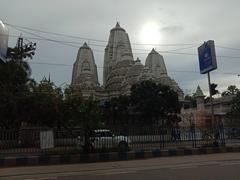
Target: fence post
[222,133]
[162,132]
[192,129]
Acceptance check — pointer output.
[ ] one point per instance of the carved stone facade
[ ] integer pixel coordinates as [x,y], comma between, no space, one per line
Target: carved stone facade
[120,70]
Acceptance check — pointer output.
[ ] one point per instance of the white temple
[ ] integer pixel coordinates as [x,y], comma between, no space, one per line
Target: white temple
[120,70]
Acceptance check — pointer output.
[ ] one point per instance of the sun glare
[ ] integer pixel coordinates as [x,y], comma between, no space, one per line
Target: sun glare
[150,33]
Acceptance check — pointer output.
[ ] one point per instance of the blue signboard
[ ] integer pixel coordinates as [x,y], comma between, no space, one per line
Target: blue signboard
[207,57]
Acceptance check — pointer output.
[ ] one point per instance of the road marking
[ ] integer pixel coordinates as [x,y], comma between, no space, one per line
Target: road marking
[43,178]
[114,173]
[230,163]
[183,167]
[194,165]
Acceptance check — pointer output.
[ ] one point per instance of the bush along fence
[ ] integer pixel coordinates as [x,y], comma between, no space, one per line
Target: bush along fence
[39,141]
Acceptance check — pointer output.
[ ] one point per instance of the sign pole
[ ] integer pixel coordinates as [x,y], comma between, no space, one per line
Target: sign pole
[211,100]
[207,63]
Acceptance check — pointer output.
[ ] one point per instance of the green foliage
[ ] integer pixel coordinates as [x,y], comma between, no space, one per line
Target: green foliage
[236,104]
[117,110]
[207,99]
[82,113]
[14,80]
[148,103]
[154,101]
[231,90]
[85,114]
[213,89]
[44,106]
[234,114]
[13,76]
[23,101]
[9,104]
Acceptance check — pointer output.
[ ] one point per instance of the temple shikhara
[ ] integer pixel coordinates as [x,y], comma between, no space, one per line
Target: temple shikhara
[120,71]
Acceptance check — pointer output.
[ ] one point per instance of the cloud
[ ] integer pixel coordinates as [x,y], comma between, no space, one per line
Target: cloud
[185,21]
[172,29]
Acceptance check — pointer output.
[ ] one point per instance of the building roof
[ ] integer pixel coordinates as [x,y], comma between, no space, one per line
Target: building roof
[199,92]
[85,46]
[118,27]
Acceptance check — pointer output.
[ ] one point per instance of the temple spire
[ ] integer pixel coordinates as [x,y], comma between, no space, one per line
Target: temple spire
[117,51]
[85,44]
[153,50]
[117,25]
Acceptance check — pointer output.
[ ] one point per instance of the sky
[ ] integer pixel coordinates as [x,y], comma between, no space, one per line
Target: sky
[177,27]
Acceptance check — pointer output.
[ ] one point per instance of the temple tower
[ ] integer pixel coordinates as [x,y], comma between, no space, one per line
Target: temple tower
[156,66]
[117,59]
[155,63]
[84,74]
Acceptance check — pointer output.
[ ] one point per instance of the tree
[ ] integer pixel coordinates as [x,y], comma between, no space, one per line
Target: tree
[207,99]
[15,83]
[231,90]
[213,89]
[234,114]
[14,77]
[14,86]
[153,101]
[43,106]
[117,110]
[85,114]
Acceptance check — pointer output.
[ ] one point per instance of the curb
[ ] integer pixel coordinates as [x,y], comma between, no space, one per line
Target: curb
[111,156]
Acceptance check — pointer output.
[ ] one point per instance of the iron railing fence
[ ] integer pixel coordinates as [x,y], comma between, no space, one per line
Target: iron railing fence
[59,141]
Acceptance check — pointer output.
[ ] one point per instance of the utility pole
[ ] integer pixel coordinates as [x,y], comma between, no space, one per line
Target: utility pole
[22,50]
[19,50]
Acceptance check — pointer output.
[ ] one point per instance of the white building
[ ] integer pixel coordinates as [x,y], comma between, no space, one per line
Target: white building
[120,70]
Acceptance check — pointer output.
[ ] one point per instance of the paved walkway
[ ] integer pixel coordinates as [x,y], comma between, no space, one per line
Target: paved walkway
[212,166]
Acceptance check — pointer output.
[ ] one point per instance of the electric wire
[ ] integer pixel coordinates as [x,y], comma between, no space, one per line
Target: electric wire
[97,40]
[69,43]
[90,39]
[100,67]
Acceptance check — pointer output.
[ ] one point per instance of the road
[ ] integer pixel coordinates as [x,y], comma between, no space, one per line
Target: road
[224,166]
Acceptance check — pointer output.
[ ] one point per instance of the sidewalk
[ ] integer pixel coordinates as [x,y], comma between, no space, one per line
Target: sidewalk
[20,160]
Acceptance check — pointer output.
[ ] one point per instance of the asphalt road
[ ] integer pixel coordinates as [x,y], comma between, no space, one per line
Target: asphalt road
[199,167]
